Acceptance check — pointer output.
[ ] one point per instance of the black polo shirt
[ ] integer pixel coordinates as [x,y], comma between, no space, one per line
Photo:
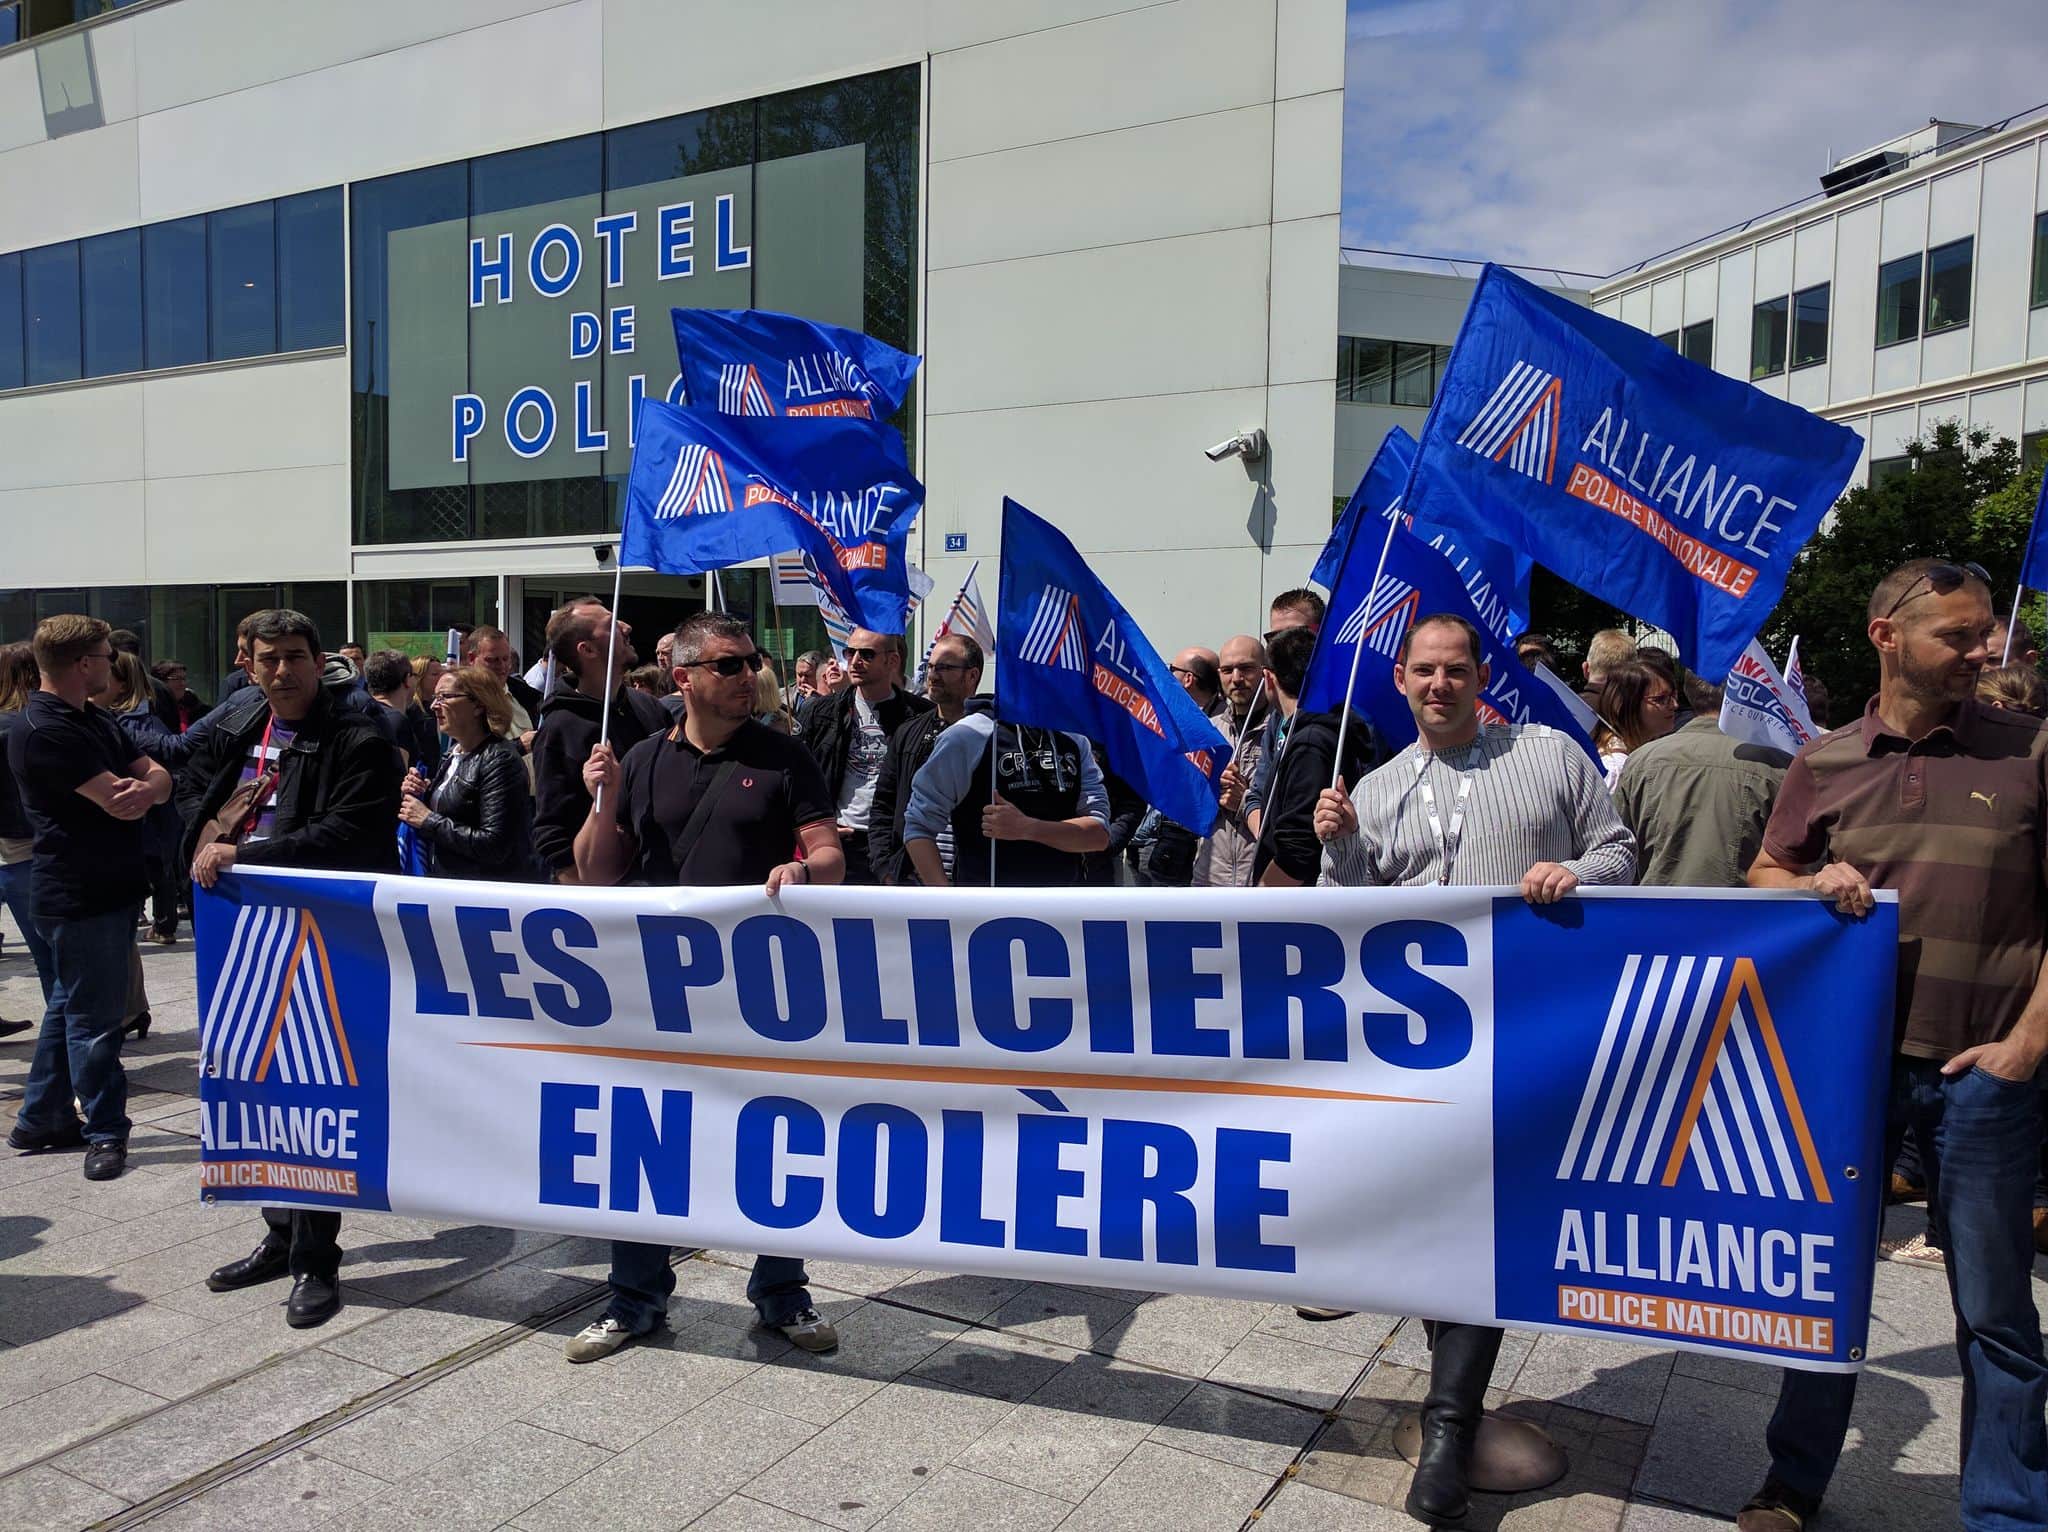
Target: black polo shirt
[773,791]
[86,862]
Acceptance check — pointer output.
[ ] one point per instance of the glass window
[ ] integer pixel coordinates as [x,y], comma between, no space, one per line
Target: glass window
[1373,375]
[1884,469]
[1696,344]
[10,24]
[309,263]
[49,308]
[2040,260]
[111,269]
[1948,284]
[2033,450]
[1810,325]
[1669,338]
[1767,338]
[1414,373]
[11,375]
[174,292]
[241,281]
[1898,300]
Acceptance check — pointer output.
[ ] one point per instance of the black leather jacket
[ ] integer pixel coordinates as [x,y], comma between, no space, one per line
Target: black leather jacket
[827,728]
[481,825]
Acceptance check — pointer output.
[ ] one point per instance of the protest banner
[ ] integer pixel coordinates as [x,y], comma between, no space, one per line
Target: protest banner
[1643,1113]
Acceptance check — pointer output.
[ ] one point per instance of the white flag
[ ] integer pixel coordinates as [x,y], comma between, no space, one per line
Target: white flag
[1759,708]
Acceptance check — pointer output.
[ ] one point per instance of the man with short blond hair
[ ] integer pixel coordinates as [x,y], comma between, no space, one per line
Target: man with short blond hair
[492,648]
[1604,651]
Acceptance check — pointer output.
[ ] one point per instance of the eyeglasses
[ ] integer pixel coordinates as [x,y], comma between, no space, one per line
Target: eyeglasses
[1943,580]
[729,664]
[1179,670]
[865,654]
[949,666]
[1662,699]
[447,697]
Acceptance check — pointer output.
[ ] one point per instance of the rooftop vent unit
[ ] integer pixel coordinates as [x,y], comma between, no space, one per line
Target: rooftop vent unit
[1861,170]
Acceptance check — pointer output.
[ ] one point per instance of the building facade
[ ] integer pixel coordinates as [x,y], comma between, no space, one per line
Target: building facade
[349,306]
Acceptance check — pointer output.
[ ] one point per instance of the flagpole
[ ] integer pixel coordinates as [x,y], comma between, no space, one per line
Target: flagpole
[1358,648]
[952,611]
[2017,596]
[611,650]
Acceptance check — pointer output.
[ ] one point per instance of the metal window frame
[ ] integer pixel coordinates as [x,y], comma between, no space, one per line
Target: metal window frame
[1919,300]
[1784,304]
[1792,362]
[1927,325]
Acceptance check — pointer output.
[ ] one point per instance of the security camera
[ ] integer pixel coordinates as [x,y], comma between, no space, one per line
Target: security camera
[602,552]
[1249,445]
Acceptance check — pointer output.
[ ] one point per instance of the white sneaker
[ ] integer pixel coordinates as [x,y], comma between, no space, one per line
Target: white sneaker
[598,1340]
[808,1330]
[1912,1251]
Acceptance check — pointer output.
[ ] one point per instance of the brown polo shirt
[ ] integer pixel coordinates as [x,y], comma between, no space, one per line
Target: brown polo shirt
[1954,822]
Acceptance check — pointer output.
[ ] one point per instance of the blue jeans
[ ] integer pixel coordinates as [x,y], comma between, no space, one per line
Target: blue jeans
[14,893]
[1986,1134]
[78,1052]
[642,1280]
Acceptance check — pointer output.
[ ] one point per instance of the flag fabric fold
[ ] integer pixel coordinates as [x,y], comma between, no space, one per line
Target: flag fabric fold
[1070,657]
[2034,562]
[1672,491]
[707,491]
[1760,707]
[754,362]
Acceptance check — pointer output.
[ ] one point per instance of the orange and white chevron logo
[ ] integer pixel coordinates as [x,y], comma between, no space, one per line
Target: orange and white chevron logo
[1690,1073]
[274,1010]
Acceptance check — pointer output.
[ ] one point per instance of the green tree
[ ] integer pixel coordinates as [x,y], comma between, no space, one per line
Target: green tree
[1960,496]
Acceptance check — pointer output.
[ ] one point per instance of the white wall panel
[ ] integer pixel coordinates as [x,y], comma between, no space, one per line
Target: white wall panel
[1308,156]
[1952,208]
[1311,47]
[2005,252]
[60,188]
[289,524]
[80,534]
[1808,388]
[71,436]
[283,415]
[1165,61]
[114,68]
[1731,316]
[1852,316]
[1890,430]
[1956,407]
[1896,367]
[1635,308]
[1199,174]
[1905,223]
[1304,294]
[1998,411]
[964,23]
[1813,254]
[21,102]
[1945,355]
[1202,596]
[519,82]
[202,48]
[1667,304]
[1773,268]
[1700,293]
[1165,317]
[1611,307]
[1301,422]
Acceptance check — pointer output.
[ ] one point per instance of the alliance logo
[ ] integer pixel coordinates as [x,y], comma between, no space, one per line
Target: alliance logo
[1667,1089]
[698,487]
[1518,425]
[740,391]
[274,1010]
[1384,618]
[1054,637]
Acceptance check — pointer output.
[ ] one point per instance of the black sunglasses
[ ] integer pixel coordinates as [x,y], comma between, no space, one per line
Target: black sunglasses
[731,664]
[865,654]
[1943,580]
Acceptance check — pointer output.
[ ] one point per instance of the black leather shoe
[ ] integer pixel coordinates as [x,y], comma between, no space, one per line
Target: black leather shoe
[14,1028]
[1460,1366]
[70,1136]
[104,1161]
[314,1301]
[263,1264]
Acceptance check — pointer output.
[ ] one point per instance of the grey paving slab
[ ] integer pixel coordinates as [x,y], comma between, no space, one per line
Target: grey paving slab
[51,1224]
[1312,1376]
[294,1493]
[1071,1434]
[996,1363]
[178,1442]
[26,1371]
[1233,1427]
[679,1472]
[1157,1489]
[215,1353]
[42,1499]
[1182,1332]
[1590,1373]
[1362,1334]
[963,1297]
[1066,1316]
[861,1281]
[410,1260]
[65,1416]
[953,1498]
[861,1467]
[736,1513]
[1304,1508]
[877,1342]
[1410,1348]
[635,1392]
[403,1340]
[1665,1518]
[479,1486]
[34,1307]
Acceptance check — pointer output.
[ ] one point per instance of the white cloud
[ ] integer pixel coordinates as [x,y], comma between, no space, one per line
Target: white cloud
[1591,134]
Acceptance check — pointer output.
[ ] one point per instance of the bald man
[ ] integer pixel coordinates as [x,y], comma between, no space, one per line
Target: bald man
[1225,860]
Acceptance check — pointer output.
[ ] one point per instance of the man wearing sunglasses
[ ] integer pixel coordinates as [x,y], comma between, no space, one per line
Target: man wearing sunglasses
[718,799]
[1946,801]
[583,638]
[849,734]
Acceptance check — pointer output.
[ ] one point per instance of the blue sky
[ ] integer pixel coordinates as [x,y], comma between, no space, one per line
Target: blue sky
[1589,134]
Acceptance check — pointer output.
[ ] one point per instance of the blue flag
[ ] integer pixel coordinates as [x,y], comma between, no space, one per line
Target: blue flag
[1417,582]
[752,362]
[2034,562]
[1069,657]
[708,491]
[1497,577]
[1673,492]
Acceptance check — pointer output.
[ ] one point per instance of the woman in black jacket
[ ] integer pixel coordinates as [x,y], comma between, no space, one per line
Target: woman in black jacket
[477,812]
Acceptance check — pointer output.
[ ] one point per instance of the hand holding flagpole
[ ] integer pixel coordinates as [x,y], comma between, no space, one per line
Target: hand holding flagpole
[1358,646]
[611,650]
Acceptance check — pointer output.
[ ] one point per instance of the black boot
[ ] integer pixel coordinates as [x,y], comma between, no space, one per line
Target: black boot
[1460,1366]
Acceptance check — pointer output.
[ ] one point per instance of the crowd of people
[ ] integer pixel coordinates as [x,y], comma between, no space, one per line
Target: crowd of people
[702,768]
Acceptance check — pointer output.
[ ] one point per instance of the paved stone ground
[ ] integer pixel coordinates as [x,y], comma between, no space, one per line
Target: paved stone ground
[129,1394]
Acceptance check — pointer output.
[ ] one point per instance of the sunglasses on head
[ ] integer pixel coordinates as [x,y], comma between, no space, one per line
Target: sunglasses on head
[731,664]
[1943,580]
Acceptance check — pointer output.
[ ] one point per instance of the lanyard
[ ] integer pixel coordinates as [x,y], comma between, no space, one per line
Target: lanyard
[1446,842]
